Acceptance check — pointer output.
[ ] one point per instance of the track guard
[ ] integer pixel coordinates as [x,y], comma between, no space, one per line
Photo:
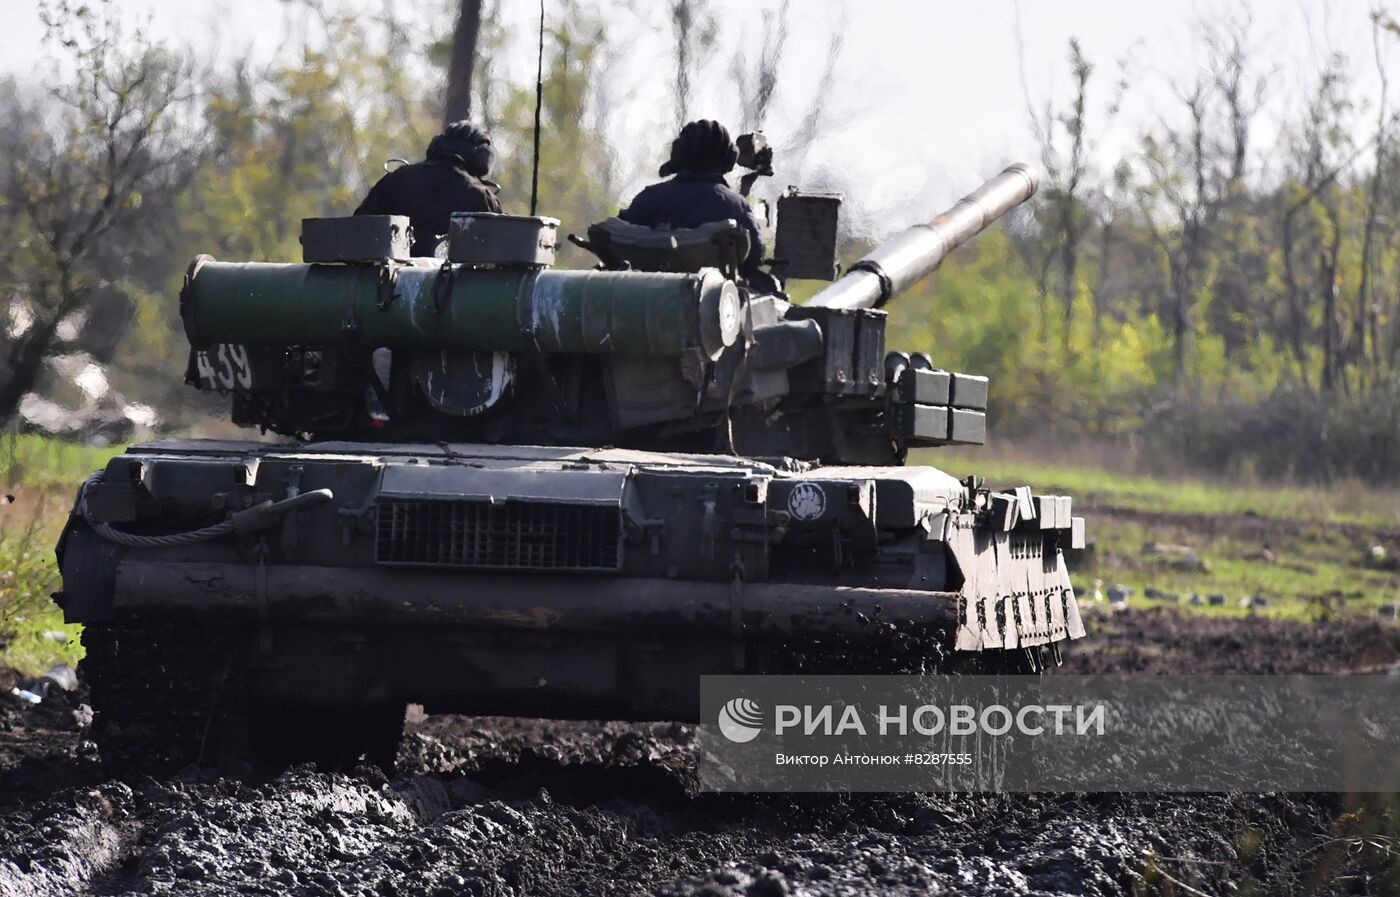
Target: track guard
[1016,593]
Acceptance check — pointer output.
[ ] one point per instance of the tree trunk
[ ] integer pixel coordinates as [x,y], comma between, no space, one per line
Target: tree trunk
[457,104]
[1327,274]
[682,20]
[1069,257]
[1373,200]
[1297,318]
[1363,287]
[26,363]
[1181,319]
[1099,294]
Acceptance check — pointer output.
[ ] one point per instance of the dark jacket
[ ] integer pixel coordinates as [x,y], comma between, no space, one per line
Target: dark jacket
[428,193]
[690,200]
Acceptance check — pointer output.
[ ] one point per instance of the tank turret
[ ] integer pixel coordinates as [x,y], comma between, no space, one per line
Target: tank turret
[494,345]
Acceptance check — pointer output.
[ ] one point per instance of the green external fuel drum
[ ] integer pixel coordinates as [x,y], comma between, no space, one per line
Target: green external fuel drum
[458,308]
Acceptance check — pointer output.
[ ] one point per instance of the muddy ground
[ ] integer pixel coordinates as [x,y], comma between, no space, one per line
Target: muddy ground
[491,806]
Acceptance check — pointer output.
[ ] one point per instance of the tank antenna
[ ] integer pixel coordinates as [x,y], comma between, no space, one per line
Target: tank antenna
[539,102]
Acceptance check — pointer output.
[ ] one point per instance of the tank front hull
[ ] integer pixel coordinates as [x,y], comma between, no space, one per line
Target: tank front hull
[553,582]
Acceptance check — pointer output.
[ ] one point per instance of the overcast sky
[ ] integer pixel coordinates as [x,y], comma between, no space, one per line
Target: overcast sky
[928,97]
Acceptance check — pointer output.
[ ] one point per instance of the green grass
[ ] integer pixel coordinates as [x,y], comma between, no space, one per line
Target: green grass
[28,576]
[1318,536]
[1345,503]
[38,480]
[1315,575]
[37,463]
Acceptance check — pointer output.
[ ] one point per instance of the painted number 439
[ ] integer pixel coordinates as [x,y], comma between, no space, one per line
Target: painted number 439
[226,366]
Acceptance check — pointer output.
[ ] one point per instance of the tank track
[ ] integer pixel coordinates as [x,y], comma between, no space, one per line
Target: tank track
[164,696]
[167,695]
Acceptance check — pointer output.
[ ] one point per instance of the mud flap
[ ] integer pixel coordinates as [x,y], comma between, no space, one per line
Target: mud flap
[1040,626]
[991,632]
[969,631]
[1073,624]
[1012,638]
[1012,597]
[1034,565]
[1025,620]
[978,565]
[989,590]
[1012,590]
[1055,597]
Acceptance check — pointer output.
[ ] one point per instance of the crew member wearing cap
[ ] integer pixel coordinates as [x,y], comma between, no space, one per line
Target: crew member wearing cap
[697,194]
[450,179]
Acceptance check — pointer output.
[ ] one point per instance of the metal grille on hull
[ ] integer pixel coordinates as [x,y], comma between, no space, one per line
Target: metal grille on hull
[510,536]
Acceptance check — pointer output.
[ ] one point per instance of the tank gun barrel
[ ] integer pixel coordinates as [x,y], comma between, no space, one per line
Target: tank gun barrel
[899,263]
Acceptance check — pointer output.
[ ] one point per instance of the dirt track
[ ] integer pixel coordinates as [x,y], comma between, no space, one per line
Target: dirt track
[489,806]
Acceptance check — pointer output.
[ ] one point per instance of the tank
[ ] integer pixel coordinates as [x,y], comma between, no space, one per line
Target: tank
[495,487]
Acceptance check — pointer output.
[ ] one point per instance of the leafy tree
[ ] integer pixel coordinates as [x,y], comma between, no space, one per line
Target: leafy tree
[84,159]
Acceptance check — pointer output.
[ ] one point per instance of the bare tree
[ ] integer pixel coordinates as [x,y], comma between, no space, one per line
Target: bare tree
[1328,287]
[1113,202]
[114,133]
[457,104]
[1041,118]
[756,81]
[1196,173]
[817,119]
[1067,197]
[1322,137]
[1180,171]
[756,88]
[1366,314]
[694,29]
[1062,201]
[1241,88]
[484,76]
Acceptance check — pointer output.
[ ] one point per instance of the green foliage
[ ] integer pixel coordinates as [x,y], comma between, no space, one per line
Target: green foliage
[1288,433]
[40,464]
[88,158]
[38,479]
[307,138]
[981,313]
[573,154]
[28,576]
[1219,316]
